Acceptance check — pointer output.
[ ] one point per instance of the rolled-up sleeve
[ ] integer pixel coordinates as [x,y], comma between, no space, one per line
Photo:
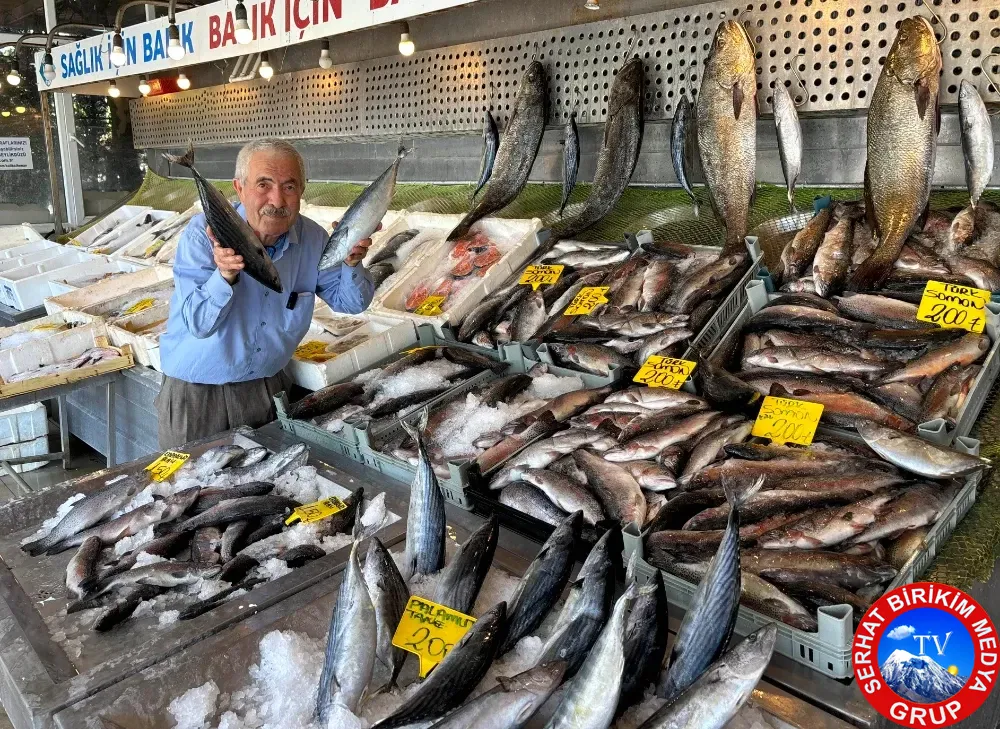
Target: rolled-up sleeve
[347,289]
[206,297]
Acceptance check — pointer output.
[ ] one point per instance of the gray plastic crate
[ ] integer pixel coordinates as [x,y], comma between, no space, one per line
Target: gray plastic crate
[935,430]
[829,649]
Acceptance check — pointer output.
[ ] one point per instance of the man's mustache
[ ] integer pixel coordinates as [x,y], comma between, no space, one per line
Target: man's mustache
[275,212]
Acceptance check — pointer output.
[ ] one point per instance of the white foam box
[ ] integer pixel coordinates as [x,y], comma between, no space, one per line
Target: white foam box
[77,277]
[516,238]
[129,231]
[17,235]
[145,347]
[157,294]
[49,324]
[168,231]
[106,290]
[27,286]
[35,256]
[109,222]
[24,431]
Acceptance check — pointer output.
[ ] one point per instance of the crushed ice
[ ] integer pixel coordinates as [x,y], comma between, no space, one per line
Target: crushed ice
[47,525]
[195,709]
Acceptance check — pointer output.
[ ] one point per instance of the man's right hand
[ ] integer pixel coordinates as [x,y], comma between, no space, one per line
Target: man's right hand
[228,263]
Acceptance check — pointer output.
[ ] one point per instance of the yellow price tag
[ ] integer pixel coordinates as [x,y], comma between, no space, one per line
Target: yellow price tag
[164,466]
[140,305]
[47,327]
[784,420]
[317,510]
[431,306]
[75,242]
[589,298]
[537,275]
[430,630]
[667,372]
[951,306]
[310,349]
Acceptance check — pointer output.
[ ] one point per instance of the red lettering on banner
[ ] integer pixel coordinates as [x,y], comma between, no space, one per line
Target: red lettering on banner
[300,21]
[267,19]
[229,32]
[335,5]
[214,37]
[288,16]
[378,4]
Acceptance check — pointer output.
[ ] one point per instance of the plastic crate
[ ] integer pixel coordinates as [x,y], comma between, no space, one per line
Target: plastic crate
[828,650]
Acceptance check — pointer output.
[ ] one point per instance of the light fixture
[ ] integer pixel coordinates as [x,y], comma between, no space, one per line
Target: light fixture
[48,68]
[265,66]
[174,48]
[118,50]
[13,77]
[144,87]
[593,5]
[183,82]
[20,109]
[324,55]
[4,113]
[113,91]
[406,46]
[243,33]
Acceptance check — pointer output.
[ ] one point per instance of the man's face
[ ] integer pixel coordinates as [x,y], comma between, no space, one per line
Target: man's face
[272,193]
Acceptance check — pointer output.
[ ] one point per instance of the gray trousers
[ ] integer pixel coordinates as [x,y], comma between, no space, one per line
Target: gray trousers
[188,411]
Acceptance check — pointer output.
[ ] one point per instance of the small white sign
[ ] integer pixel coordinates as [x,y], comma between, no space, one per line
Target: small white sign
[15,153]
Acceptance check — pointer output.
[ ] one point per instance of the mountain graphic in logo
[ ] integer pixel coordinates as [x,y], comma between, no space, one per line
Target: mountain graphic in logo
[919,678]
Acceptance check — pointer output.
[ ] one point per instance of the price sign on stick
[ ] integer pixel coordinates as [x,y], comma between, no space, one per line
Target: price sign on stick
[954,307]
[164,466]
[317,510]
[431,306]
[538,275]
[140,305]
[587,300]
[667,372]
[784,420]
[430,630]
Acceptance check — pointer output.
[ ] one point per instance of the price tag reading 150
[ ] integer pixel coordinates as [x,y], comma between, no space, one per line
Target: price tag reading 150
[784,420]
[430,630]
[954,307]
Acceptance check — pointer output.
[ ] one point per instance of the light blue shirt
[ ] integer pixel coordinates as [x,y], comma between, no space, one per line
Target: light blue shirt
[217,333]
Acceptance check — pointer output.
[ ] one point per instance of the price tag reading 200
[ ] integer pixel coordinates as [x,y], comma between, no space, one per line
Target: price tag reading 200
[954,307]
[430,630]
[784,420]
[658,371]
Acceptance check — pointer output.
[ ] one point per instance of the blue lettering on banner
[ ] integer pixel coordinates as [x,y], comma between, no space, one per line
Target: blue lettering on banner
[96,59]
[78,62]
[65,69]
[147,47]
[130,49]
[158,52]
[187,30]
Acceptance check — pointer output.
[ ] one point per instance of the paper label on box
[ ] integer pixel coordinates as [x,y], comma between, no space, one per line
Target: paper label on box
[430,631]
[952,306]
[784,420]
[668,372]
[589,298]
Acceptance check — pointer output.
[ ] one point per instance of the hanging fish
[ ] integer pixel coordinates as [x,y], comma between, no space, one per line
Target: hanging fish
[571,160]
[786,121]
[491,141]
[679,131]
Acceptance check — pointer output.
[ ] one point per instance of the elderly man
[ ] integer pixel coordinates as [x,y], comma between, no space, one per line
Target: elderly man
[228,337]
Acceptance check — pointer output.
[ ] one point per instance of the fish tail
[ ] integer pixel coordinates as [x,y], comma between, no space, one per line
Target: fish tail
[185,160]
[694,202]
[402,151]
[871,273]
[791,200]
[736,496]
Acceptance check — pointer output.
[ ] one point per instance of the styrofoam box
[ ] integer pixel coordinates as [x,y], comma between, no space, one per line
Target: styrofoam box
[172,228]
[516,239]
[113,220]
[34,256]
[79,274]
[25,288]
[43,323]
[22,424]
[106,290]
[145,347]
[159,292]
[18,235]
[129,231]
[59,347]
[20,248]
[35,447]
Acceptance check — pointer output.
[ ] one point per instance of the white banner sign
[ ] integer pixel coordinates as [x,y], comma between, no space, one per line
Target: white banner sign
[208,34]
[15,153]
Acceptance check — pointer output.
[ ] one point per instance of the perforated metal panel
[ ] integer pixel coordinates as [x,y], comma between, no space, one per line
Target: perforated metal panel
[837,46]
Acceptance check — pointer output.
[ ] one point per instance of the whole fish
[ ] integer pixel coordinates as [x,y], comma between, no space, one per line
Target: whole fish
[963,352]
[166,546]
[362,218]
[645,640]
[712,279]
[914,508]
[655,284]
[828,527]
[491,141]
[847,409]
[661,342]
[510,703]
[88,511]
[518,148]
[801,250]
[460,581]
[247,507]
[205,543]
[656,398]
[389,594]
[250,457]
[391,247]
[231,230]
[708,623]
[814,591]
[122,607]
[425,532]
[947,395]
[585,610]
[800,318]
[592,358]
[284,461]
[833,258]
[591,698]
[325,400]
[619,151]
[778,470]
[160,574]
[977,140]
[379,272]
[649,445]
[617,491]
[679,130]
[727,129]
[350,645]
[651,476]
[236,569]
[544,452]
[817,361]
[848,570]
[298,556]
[571,160]
[903,123]
[715,697]
[902,548]
[451,682]
[81,570]
[786,122]
[543,582]
[506,448]
[881,310]
[207,498]
[529,317]
[709,449]
[232,539]
[563,492]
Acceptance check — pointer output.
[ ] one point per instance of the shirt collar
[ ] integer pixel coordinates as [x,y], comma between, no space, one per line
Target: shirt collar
[281,245]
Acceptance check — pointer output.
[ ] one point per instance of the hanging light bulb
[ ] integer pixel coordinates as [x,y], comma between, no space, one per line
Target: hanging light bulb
[20,109]
[113,91]
[48,68]
[265,66]
[174,48]
[118,50]
[593,5]
[4,113]
[324,55]
[144,87]
[13,77]
[183,81]
[406,46]
[243,33]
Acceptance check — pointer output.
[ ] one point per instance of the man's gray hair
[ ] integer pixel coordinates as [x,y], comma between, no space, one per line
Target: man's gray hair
[278,146]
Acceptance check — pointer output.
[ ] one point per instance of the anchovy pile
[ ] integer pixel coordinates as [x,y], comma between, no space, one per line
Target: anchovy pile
[219,528]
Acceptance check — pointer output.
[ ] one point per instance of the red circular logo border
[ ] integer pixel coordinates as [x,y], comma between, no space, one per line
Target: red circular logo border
[884,697]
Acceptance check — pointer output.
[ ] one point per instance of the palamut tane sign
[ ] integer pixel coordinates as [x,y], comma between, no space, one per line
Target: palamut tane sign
[15,153]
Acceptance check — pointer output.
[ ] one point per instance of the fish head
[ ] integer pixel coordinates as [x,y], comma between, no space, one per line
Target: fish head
[732,52]
[915,54]
[534,84]
[753,653]
[541,680]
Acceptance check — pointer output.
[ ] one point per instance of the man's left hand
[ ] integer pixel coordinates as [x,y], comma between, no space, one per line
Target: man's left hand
[359,251]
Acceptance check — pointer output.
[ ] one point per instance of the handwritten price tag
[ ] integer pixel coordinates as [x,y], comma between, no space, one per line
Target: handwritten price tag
[667,372]
[310,349]
[140,305]
[587,300]
[538,275]
[951,306]
[316,511]
[784,420]
[164,466]
[430,630]
[431,306]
